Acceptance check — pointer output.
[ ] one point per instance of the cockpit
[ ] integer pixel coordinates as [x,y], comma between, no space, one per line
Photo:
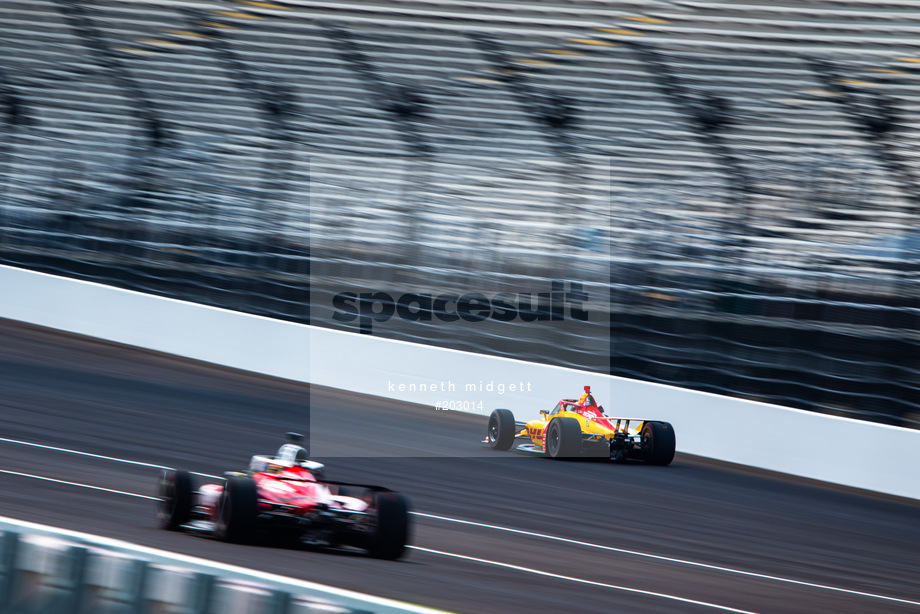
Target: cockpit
[291,460]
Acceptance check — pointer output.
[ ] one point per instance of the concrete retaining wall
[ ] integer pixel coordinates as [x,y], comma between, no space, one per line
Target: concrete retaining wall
[44,570]
[838,450]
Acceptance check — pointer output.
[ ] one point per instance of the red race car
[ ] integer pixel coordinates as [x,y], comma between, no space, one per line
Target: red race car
[285,496]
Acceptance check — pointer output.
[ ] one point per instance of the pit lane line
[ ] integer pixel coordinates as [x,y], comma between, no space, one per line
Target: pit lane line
[453,555]
[99,456]
[91,487]
[493,527]
[668,559]
[582,580]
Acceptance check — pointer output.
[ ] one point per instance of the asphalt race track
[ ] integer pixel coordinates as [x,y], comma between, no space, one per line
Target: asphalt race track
[697,536]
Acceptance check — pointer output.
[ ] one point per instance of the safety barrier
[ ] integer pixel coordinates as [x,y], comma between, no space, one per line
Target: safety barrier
[822,447]
[44,570]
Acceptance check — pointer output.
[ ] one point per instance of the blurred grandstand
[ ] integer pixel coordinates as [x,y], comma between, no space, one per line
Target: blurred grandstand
[739,178]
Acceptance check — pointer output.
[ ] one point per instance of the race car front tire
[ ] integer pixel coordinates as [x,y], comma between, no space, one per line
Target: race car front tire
[174,507]
[661,443]
[237,510]
[563,438]
[387,539]
[501,430]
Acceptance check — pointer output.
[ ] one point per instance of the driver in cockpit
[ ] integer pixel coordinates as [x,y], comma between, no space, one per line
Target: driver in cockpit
[590,405]
[292,453]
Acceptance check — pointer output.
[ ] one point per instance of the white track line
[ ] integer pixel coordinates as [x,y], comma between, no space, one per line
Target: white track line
[739,572]
[441,553]
[668,559]
[581,580]
[41,477]
[99,456]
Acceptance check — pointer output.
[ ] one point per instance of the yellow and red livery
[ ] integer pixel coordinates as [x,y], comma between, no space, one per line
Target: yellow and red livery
[579,427]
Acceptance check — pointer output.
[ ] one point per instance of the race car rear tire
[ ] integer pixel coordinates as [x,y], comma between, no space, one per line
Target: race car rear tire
[387,539]
[174,508]
[237,510]
[501,430]
[563,438]
[661,442]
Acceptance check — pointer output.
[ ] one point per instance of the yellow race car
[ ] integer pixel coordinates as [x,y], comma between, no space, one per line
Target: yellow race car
[579,427]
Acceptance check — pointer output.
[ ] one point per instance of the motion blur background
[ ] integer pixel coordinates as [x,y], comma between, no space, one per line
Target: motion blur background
[733,182]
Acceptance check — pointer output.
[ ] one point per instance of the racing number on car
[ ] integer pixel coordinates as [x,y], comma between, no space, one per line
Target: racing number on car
[536,432]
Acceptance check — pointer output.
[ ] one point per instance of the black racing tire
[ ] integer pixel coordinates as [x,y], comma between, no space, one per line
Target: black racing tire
[389,535]
[661,441]
[237,510]
[174,507]
[501,430]
[563,438]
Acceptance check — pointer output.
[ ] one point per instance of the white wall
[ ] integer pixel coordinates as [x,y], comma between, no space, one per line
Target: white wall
[837,450]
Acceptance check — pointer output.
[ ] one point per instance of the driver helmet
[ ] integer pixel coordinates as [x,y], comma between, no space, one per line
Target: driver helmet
[587,399]
[292,453]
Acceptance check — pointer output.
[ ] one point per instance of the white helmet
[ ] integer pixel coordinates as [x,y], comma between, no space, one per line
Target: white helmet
[293,453]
